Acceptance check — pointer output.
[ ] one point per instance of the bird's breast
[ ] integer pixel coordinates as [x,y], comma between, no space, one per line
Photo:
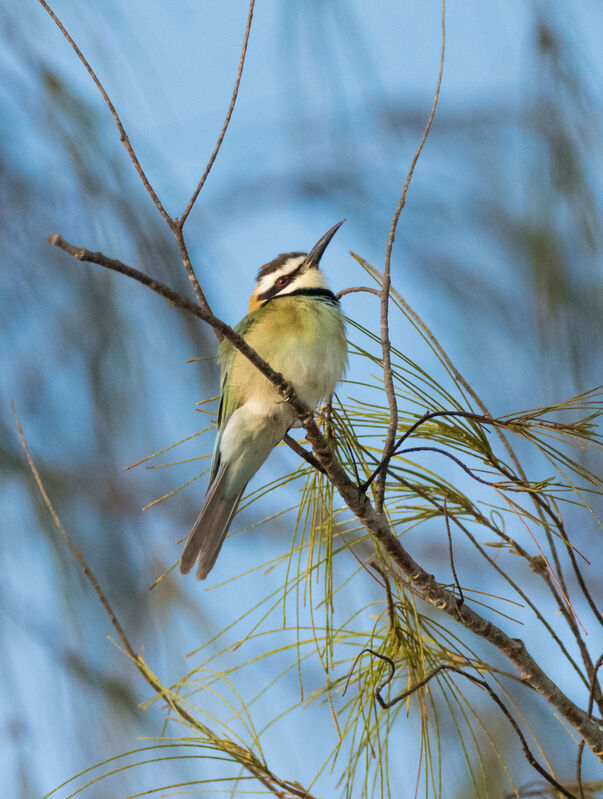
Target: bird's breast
[304,339]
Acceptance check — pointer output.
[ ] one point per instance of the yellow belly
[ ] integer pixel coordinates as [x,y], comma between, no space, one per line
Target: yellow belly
[301,337]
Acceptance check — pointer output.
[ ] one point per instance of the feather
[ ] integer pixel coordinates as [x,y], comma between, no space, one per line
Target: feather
[210,529]
[303,337]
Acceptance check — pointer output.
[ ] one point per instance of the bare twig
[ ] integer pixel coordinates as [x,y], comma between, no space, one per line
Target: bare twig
[303,453]
[523,484]
[191,273]
[357,501]
[245,757]
[477,681]
[283,386]
[180,222]
[355,289]
[451,552]
[71,546]
[174,224]
[476,417]
[464,467]
[386,285]
[118,122]
[446,360]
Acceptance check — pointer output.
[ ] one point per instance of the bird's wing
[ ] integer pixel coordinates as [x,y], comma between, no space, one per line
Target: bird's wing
[229,400]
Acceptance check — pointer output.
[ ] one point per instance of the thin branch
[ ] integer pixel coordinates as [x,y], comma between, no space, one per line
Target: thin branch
[477,681]
[357,501]
[386,285]
[115,115]
[245,757]
[284,387]
[355,289]
[175,225]
[191,274]
[233,100]
[536,563]
[303,453]
[71,546]
[463,466]
[451,552]
[445,358]
[476,417]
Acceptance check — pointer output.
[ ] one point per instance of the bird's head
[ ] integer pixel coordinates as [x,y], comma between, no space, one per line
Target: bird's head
[291,271]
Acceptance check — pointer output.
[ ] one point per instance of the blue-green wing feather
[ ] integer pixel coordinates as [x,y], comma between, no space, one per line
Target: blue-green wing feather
[228,401]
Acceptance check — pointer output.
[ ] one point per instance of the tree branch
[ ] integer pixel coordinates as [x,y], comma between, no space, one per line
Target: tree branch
[123,135]
[477,681]
[386,285]
[191,274]
[303,453]
[284,387]
[357,501]
[233,100]
[355,289]
[499,425]
[245,757]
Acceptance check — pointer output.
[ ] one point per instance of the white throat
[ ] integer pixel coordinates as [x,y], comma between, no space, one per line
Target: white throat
[312,279]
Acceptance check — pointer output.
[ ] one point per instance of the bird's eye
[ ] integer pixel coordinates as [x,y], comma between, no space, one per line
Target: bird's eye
[282,281]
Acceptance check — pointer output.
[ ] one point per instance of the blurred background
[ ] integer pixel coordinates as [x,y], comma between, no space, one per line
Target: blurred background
[499,250]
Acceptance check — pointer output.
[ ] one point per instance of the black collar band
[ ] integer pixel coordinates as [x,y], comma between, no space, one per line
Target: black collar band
[316,292]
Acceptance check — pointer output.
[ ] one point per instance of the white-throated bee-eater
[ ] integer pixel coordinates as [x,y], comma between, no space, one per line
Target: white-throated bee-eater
[296,325]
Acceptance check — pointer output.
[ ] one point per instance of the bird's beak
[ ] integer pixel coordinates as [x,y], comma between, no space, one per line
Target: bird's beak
[315,254]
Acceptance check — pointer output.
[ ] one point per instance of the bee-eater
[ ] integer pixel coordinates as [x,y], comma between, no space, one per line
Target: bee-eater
[296,325]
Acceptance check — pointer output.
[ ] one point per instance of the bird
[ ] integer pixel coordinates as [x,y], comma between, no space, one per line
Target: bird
[296,325]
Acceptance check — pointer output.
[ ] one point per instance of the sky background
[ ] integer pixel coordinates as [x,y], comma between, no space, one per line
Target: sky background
[498,249]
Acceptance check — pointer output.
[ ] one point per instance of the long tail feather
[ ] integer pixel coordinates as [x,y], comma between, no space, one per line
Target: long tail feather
[210,529]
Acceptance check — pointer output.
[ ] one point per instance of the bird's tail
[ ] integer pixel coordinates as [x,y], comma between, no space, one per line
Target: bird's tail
[209,531]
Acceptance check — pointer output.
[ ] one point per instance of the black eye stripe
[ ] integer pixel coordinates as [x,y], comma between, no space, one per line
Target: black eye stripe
[267,295]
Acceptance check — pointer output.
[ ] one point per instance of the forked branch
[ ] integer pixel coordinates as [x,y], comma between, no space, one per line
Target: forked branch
[357,501]
[233,100]
[174,224]
[386,704]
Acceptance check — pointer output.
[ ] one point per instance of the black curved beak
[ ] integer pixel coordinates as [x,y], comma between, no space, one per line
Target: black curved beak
[315,254]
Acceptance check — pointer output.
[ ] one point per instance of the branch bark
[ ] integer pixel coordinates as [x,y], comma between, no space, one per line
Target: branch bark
[564,609]
[430,589]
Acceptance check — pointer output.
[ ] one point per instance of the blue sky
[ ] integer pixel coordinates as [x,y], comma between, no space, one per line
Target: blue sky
[329,89]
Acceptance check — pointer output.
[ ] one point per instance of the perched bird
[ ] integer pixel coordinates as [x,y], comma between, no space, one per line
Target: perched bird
[296,325]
